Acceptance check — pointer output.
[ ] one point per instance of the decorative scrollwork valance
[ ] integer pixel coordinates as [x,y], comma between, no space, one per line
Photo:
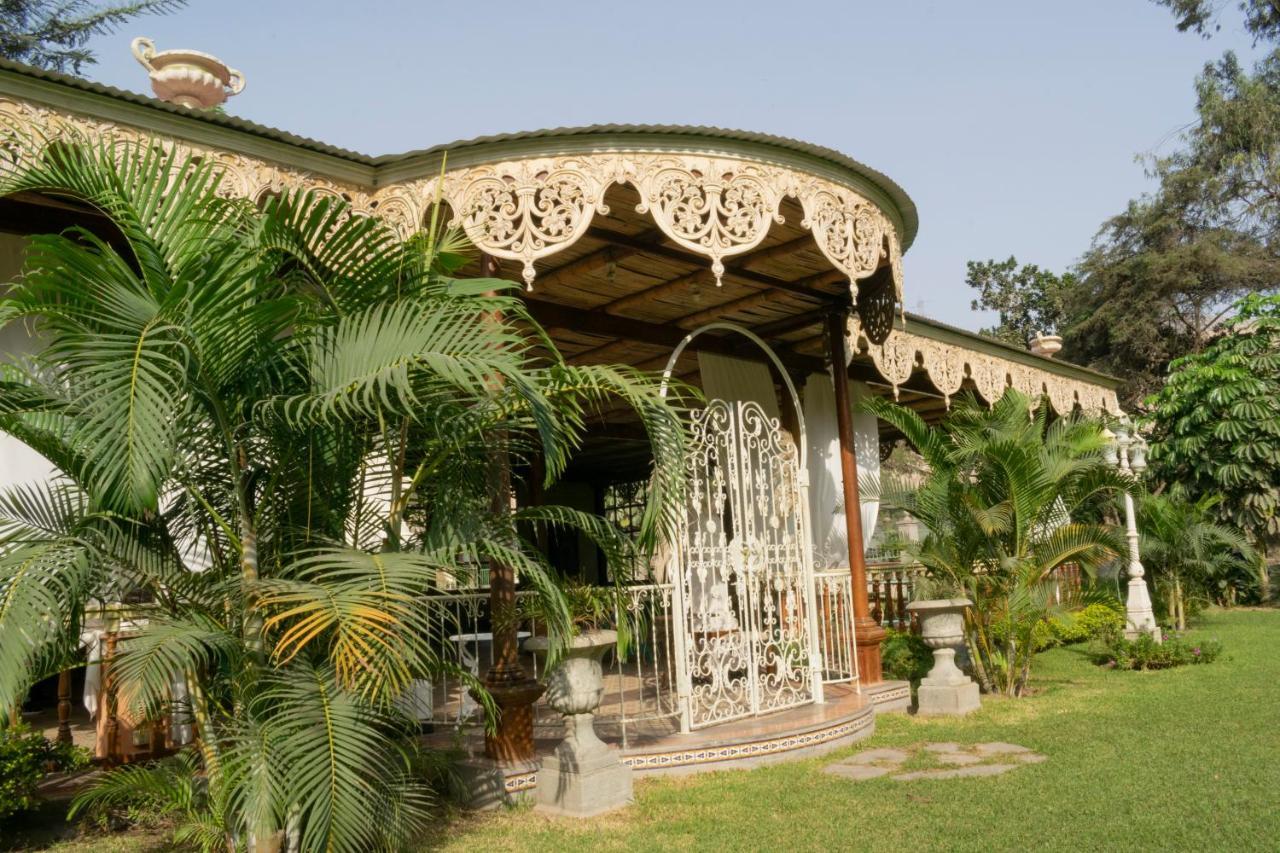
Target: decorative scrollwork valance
[949,365]
[528,209]
[714,206]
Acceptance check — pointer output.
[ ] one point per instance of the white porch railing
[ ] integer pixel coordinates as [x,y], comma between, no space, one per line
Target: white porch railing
[833,601]
[640,689]
[640,694]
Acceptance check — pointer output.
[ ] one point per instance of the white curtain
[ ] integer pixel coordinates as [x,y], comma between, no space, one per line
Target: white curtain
[735,379]
[826,483]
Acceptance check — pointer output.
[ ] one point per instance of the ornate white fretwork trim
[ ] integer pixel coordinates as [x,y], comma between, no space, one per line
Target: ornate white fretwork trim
[401,205]
[948,365]
[712,205]
[526,210]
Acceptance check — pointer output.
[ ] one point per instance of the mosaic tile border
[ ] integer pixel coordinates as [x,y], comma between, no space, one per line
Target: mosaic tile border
[890,695]
[752,749]
[520,782]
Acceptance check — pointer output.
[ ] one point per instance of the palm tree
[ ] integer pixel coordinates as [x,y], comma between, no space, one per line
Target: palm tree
[1001,506]
[1189,553]
[275,426]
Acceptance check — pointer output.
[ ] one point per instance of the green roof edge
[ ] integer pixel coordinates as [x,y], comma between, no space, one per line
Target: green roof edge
[218,129]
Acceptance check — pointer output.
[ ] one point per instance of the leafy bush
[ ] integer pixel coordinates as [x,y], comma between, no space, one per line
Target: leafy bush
[1093,622]
[1145,653]
[905,657]
[25,756]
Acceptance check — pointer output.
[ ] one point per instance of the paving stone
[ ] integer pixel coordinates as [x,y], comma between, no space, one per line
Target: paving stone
[925,774]
[1030,757]
[943,747]
[958,757]
[856,772]
[998,748]
[897,756]
[983,770]
[956,773]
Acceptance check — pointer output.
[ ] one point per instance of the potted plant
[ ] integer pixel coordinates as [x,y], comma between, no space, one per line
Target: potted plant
[573,665]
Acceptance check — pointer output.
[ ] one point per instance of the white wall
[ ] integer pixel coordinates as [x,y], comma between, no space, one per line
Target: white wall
[18,463]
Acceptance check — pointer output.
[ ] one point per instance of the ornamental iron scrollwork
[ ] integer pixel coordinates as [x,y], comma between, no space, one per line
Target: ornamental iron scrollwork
[744,588]
[849,230]
[948,365]
[713,206]
[876,305]
[527,209]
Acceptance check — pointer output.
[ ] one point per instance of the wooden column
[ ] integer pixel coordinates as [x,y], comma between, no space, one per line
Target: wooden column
[867,632]
[513,691]
[64,706]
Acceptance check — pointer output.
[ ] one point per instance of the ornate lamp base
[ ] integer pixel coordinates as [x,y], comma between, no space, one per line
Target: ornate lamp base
[1139,618]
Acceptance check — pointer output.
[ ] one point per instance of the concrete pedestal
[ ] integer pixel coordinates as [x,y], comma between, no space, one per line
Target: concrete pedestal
[946,690]
[583,777]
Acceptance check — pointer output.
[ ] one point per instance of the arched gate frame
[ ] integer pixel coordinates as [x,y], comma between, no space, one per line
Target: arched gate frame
[746,632]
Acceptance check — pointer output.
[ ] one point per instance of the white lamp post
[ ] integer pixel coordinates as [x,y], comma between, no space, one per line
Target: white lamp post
[1127,450]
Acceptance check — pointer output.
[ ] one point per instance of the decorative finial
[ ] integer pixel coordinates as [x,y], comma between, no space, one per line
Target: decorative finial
[187,78]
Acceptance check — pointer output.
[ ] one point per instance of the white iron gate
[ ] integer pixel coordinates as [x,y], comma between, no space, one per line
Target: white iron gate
[744,588]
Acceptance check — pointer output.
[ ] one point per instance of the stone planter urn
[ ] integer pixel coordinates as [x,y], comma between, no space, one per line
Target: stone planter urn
[584,776]
[1047,345]
[946,689]
[188,78]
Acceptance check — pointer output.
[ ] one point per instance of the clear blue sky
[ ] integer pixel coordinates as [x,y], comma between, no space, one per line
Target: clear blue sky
[1013,125]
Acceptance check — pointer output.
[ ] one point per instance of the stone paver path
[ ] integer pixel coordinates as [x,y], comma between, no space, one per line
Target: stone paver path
[941,760]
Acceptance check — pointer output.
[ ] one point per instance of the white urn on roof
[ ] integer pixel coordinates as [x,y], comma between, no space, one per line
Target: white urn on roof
[188,78]
[1046,345]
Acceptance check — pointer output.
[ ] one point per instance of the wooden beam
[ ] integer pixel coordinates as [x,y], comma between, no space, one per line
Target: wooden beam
[622,303]
[554,316]
[600,351]
[786,247]
[718,312]
[598,259]
[783,325]
[731,271]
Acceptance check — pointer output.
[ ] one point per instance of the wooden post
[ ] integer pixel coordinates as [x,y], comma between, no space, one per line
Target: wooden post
[866,631]
[64,706]
[513,691]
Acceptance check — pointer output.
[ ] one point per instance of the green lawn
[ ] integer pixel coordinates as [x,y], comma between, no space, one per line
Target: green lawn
[1185,759]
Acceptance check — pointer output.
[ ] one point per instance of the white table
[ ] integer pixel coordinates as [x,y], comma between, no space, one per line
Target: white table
[467,642]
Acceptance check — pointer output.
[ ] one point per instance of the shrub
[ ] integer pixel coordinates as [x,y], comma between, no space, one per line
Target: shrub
[904,656]
[1091,623]
[25,756]
[1145,653]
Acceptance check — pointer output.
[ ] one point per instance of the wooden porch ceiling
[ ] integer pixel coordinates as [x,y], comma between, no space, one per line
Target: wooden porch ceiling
[625,294]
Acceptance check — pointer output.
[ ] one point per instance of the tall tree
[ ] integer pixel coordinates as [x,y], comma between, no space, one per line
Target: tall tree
[1261,17]
[1216,423]
[1157,283]
[52,34]
[1028,298]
